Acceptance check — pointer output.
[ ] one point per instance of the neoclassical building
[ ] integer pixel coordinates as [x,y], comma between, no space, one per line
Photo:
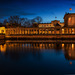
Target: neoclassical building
[55,29]
[52,24]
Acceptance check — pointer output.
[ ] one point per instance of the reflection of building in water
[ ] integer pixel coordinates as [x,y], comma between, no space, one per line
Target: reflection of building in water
[35,45]
[15,49]
[3,48]
[69,50]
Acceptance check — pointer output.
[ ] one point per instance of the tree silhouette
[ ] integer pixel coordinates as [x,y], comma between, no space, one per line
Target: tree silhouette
[18,21]
[5,21]
[38,19]
[14,19]
[32,22]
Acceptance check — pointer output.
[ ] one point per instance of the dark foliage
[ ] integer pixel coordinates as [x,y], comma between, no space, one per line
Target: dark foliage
[15,21]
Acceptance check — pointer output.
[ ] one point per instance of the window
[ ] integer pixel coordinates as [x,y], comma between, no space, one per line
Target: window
[69,21]
[72,30]
[52,32]
[62,31]
[66,31]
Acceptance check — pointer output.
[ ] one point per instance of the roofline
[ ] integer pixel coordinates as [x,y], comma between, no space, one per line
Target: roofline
[68,14]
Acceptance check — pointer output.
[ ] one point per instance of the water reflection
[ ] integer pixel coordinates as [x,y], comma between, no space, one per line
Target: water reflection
[53,58]
[17,50]
[3,48]
[69,51]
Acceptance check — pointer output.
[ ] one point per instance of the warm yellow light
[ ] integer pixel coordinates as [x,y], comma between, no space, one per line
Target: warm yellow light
[40,45]
[3,48]
[72,46]
[69,19]
[63,31]
[62,45]
[70,54]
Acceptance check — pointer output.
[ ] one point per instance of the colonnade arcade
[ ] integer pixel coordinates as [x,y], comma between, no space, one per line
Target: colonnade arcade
[27,31]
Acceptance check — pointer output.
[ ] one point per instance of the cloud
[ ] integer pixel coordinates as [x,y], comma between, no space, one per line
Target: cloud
[15,7]
[23,13]
[6,12]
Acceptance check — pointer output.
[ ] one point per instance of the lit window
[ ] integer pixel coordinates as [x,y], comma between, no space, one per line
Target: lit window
[69,19]
[72,30]
[62,31]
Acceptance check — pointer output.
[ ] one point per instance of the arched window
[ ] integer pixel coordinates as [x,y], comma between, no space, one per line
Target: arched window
[69,21]
[62,31]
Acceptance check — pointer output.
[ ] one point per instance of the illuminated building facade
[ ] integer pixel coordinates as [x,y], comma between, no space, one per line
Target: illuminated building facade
[52,24]
[53,30]
[69,20]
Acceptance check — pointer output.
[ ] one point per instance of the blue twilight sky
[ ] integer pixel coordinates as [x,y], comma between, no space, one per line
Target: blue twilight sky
[47,9]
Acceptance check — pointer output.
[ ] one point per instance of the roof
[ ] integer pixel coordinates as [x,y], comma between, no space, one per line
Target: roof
[44,23]
[55,20]
[57,24]
[69,14]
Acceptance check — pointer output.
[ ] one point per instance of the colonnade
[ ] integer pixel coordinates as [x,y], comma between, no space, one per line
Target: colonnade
[37,31]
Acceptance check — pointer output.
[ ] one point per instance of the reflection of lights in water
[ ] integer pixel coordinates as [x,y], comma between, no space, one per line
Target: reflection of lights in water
[26,45]
[23,45]
[43,45]
[72,46]
[49,44]
[62,46]
[40,45]
[70,63]
[70,54]
[3,48]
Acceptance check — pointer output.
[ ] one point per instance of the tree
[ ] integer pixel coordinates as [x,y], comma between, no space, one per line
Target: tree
[25,22]
[14,19]
[37,19]
[5,21]
[17,21]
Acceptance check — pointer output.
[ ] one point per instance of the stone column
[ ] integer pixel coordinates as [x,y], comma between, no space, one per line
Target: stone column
[68,31]
[71,30]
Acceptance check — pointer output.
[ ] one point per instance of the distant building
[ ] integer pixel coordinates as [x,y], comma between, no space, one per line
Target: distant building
[69,20]
[52,24]
[55,28]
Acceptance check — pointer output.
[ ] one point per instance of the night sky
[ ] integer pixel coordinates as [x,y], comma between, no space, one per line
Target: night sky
[47,9]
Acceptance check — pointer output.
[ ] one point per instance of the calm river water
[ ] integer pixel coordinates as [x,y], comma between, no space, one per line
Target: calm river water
[34,58]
